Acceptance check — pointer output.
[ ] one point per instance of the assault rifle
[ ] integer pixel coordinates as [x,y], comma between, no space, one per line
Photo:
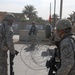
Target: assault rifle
[54,62]
[12,56]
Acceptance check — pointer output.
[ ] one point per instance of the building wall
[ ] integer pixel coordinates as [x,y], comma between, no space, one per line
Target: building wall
[2,14]
[73,28]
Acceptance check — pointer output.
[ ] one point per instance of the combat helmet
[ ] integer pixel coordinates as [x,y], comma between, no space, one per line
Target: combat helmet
[63,24]
[9,16]
[33,22]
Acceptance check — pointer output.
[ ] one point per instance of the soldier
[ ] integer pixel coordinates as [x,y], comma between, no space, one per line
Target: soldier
[32,34]
[6,41]
[33,31]
[67,47]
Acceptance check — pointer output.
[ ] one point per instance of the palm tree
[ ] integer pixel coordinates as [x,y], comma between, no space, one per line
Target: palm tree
[29,12]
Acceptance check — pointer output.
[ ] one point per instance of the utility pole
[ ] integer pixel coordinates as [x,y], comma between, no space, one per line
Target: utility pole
[50,8]
[54,11]
[50,14]
[61,4]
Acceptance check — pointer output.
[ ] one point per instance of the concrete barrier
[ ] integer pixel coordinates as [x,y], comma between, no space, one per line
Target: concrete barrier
[24,35]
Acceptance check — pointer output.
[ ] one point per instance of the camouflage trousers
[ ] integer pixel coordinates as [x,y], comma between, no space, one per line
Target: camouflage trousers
[3,62]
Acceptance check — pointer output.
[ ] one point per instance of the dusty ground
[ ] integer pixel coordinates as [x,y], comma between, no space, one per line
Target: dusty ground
[30,61]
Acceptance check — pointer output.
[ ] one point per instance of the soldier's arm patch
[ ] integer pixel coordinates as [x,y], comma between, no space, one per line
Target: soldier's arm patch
[67,50]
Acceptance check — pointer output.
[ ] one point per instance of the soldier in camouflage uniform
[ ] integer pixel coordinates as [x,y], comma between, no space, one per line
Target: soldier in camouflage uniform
[67,47]
[6,41]
[33,31]
[33,34]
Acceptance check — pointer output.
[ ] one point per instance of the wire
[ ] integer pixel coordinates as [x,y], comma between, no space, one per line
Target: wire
[33,52]
[32,59]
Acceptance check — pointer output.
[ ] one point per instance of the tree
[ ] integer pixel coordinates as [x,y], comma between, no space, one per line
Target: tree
[55,15]
[29,12]
[72,17]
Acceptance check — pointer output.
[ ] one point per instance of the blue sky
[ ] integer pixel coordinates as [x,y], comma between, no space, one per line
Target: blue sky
[42,6]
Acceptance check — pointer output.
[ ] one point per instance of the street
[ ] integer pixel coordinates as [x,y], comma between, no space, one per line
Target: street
[30,61]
